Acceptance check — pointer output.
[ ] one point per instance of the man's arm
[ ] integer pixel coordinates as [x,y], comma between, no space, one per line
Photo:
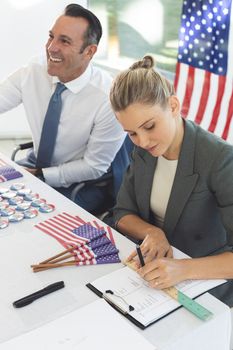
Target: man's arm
[105,140]
[10,92]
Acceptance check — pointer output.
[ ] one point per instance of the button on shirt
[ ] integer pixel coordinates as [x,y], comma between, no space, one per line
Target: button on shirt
[89,135]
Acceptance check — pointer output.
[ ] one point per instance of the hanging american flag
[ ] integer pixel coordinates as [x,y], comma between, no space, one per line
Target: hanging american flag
[204,72]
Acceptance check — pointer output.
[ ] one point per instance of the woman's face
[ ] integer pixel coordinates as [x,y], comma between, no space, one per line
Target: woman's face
[154,128]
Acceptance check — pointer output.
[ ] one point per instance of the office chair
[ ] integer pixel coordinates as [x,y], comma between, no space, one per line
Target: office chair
[110,180]
[21,147]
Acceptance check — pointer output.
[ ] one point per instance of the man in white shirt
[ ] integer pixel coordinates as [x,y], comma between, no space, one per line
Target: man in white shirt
[89,135]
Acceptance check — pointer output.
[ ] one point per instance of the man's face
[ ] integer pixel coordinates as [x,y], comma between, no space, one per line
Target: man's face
[63,48]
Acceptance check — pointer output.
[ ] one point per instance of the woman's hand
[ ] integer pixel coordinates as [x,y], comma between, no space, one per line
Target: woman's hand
[164,272]
[154,245]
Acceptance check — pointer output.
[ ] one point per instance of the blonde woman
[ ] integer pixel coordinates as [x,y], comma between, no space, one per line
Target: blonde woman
[178,190]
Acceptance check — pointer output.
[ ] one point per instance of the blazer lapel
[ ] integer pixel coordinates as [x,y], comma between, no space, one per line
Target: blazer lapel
[143,181]
[184,181]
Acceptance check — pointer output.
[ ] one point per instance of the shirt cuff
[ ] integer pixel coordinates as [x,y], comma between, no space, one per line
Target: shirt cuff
[51,176]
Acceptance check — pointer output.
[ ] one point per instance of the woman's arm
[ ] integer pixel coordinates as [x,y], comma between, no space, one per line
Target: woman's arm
[155,243]
[164,272]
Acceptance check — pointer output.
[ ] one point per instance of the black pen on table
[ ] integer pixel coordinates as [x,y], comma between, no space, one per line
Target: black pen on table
[40,293]
[139,252]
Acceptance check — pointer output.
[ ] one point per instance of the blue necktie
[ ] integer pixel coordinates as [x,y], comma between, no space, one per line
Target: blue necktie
[50,127]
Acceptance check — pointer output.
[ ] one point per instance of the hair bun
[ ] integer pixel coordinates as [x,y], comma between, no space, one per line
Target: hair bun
[147,62]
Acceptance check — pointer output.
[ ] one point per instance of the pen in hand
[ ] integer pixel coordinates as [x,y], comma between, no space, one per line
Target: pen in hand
[139,252]
[40,293]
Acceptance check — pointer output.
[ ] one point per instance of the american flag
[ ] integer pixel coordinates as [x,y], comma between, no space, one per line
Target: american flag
[88,232]
[7,172]
[90,239]
[204,71]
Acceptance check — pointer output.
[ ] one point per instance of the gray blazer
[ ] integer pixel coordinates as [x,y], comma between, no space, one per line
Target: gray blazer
[199,215]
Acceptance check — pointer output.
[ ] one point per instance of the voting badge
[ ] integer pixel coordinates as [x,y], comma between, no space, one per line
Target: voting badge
[46,208]
[16,217]
[15,200]
[24,191]
[4,222]
[23,206]
[17,186]
[3,190]
[8,195]
[31,197]
[38,202]
[30,213]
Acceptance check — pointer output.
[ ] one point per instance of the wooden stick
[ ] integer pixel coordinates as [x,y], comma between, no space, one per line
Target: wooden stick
[42,267]
[58,255]
[64,257]
[39,269]
[67,263]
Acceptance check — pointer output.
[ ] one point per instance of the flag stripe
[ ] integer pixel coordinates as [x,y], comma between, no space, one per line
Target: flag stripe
[77,217]
[110,234]
[188,91]
[204,98]
[96,223]
[2,162]
[89,240]
[221,87]
[50,233]
[2,178]
[204,74]
[229,118]
[65,232]
[177,75]
[57,234]
[67,229]
[70,220]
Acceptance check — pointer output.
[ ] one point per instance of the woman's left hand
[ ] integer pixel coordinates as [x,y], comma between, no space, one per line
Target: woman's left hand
[154,245]
[164,272]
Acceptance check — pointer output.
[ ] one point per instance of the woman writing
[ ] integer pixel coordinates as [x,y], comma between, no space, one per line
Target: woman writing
[178,190]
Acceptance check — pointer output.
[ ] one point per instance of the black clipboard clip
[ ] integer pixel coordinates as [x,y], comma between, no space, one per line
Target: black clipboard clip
[119,308]
[106,297]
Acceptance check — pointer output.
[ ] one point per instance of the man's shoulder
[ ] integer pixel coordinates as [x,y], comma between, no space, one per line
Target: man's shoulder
[36,65]
[35,61]
[101,79]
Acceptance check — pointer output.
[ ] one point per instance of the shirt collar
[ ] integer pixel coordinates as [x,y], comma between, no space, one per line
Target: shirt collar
[79,83]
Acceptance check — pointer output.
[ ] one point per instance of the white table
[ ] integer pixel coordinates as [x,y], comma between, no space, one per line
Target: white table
[22,245]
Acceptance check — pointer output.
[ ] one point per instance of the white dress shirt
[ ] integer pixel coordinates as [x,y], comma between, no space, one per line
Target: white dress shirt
[89,135]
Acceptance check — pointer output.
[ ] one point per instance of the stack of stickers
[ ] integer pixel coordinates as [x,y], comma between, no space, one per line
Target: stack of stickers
[7,172]
[18,202]
[86,243]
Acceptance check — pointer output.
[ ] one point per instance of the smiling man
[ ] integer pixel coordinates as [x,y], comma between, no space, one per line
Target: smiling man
[88,135]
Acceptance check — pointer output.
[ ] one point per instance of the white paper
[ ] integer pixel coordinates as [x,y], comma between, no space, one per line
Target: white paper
[94,326]
[149,304]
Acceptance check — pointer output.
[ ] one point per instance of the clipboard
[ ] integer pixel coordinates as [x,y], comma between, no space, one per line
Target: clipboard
[149,305]
[116,307]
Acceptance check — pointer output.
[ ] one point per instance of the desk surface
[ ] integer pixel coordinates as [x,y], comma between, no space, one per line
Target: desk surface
[22,245]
